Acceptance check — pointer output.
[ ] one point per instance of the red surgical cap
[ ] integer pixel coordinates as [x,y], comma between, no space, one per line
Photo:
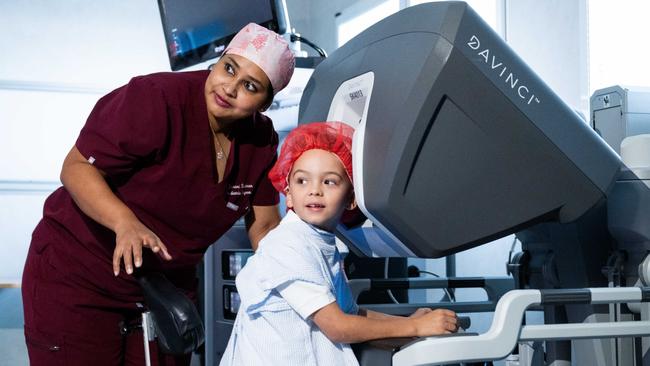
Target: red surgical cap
[335,137]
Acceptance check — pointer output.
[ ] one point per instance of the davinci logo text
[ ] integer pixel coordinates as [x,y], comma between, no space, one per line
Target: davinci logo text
[497,66]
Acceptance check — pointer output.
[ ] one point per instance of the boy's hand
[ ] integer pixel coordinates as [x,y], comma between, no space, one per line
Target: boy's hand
[432,322]
[419,312]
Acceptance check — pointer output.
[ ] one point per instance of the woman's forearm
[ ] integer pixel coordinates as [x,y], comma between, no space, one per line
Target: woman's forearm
[91,193]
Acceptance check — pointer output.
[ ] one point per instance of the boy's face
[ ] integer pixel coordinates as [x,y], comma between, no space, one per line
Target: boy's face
[319,189]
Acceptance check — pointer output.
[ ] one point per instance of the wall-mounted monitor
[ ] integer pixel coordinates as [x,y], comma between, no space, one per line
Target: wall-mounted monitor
[199,30]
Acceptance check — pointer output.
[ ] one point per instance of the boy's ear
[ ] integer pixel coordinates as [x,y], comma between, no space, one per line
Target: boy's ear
[352,205]
[289,200]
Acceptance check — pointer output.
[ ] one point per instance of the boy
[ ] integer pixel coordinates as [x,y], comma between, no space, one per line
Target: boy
[296,306]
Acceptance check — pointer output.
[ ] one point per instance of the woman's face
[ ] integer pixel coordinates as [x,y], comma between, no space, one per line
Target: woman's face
[235,89]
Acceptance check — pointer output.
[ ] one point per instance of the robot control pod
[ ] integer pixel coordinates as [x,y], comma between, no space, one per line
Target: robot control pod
[458,143]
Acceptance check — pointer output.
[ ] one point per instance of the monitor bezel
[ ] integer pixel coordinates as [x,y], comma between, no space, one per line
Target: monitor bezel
[211,50]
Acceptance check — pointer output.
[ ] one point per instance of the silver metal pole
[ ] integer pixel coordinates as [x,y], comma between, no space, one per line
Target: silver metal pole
[148,335]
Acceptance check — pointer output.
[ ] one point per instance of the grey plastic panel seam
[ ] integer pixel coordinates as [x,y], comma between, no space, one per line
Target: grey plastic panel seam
[645,294]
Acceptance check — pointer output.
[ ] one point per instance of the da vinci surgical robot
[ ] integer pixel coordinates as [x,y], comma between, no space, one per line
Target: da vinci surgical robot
[458,143]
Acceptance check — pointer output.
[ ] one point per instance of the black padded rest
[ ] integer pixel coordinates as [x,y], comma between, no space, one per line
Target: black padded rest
[380,352]
[177,322]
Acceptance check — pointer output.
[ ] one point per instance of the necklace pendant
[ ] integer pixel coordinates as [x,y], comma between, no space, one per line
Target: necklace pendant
[220,155]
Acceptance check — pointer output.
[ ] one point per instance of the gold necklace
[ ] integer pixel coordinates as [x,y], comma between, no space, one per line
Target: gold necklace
[220,153]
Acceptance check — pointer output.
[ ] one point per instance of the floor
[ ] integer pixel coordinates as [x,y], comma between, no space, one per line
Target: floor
[12,340]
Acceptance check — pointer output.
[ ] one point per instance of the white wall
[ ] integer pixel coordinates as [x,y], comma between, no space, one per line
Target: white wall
[316,20]
[58,58]
[551,37]
[97,43]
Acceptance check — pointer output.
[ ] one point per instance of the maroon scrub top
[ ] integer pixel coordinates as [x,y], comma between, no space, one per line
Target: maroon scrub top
[153,140]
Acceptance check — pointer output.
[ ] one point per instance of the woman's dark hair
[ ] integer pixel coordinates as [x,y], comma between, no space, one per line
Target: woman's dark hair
[269,97]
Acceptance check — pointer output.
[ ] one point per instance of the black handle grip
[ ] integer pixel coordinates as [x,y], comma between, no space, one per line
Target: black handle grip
[176,320]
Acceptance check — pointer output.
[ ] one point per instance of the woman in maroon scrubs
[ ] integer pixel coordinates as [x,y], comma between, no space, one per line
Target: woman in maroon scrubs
[168,163]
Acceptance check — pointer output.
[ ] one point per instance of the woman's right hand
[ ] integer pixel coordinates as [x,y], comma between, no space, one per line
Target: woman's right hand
[88,187]
[439,321]
[130,237]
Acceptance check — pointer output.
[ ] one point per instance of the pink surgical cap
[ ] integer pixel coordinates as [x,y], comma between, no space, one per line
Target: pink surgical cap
[266,49]
[335,137]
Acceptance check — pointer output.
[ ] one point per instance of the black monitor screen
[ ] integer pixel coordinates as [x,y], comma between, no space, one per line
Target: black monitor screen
[198,30]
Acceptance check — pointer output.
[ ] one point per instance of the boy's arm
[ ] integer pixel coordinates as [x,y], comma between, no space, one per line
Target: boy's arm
[340,327]
[377,315]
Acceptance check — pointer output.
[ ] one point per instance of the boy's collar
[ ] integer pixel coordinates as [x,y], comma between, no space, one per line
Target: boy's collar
[291,216]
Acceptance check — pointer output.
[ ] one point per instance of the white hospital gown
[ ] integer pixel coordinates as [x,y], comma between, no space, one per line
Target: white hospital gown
[295,271]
